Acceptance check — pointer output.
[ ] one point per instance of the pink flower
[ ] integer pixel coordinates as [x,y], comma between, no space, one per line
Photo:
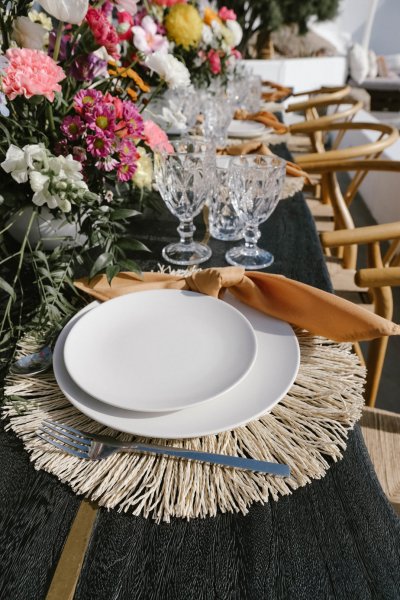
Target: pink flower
[236,53]
[126,171]
[72,127]
[107,164]
[127,151]
[98,145]
[103,32]
[156,138]
[102,119]
[85,100]
[127,6]
[146,38]
[125,24]
[31,73]
[226,14]
[214,61]
[116,103]
[132,119]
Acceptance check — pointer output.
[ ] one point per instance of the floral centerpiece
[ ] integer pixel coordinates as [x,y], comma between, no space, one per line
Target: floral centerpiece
[75,146]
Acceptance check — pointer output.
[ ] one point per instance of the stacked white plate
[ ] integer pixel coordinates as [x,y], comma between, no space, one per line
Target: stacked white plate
[247,129]
[174,364]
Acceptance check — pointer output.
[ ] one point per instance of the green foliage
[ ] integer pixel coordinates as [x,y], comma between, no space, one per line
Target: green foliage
[270,15]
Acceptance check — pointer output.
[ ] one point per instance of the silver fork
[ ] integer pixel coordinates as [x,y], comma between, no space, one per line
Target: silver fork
[96,447]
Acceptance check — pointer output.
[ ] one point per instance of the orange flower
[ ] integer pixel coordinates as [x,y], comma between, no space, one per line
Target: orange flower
[132,94]
[128,72]
[210,16]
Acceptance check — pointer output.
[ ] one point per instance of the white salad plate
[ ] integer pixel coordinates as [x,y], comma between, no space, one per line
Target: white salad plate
[247,129]
[272,375]
[160,350]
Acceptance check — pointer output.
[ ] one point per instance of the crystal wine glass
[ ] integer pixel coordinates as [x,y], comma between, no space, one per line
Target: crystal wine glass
[256,183]
[185,180]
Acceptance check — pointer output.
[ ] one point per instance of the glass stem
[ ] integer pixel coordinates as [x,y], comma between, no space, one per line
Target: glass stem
[186,231]
[251,237]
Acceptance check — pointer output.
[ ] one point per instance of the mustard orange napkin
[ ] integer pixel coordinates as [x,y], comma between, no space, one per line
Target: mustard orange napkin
[263,116]
[280,91]
[320,313]
[292,170]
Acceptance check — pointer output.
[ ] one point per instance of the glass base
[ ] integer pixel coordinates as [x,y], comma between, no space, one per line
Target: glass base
[186,254]
[253,259]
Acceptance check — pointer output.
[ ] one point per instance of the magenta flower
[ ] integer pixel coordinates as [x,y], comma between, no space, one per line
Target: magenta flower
[72,127]
[107,164]
[31,73]
[127,151]
[103,31]
[85,100]
[98,145]
[126,171]
[133,120]
[102,119]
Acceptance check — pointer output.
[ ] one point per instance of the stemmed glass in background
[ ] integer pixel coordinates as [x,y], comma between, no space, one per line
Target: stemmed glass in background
[218,113]
[256,183]
[185,179]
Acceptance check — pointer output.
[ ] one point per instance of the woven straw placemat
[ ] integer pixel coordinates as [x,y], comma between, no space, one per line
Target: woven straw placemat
[307,430]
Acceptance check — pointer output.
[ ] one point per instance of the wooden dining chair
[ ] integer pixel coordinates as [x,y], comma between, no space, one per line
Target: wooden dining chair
[330,208]
[381,432]
[371,286]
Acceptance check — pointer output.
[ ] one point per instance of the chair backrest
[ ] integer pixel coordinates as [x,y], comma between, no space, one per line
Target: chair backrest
[382,274]
[385,135]
[324,106]
[342,199]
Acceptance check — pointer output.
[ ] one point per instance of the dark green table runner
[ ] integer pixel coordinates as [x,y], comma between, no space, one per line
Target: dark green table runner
[335,538]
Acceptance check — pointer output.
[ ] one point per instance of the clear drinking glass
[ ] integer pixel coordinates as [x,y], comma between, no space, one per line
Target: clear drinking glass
[184,180]
[256,182]
[218,113]
[224,221]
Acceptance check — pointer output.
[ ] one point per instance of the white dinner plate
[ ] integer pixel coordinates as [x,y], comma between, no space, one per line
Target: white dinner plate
[247,129]
[272,375]
[160,350]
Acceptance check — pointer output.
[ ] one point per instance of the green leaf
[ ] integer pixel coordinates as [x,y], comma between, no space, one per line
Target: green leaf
[111,272]
[133,245]
[100,263]
[130,265]
[123,213]
[7,288]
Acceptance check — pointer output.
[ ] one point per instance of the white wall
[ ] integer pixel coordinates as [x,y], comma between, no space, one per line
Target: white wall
[385,35]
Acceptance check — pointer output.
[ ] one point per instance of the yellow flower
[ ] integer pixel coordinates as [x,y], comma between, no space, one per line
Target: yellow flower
[144,173]
[184,25]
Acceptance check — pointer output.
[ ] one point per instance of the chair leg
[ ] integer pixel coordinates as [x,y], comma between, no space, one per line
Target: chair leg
[376,358]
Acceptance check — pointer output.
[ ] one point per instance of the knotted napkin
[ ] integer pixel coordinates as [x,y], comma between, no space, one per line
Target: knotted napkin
[292,170]
[263,116]
[319,312]
[280,91]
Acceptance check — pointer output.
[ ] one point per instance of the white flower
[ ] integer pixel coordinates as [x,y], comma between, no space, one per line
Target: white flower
[3,64]
[28,34]
[146,39]
[34,153]
[4,112]
[38,181]
[236,30]
[170,69]
[207,35]
[144,173]
[70,11]
[41,18]
[15,164]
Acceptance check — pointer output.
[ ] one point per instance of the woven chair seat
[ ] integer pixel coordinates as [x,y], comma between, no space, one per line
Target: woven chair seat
[381,431]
